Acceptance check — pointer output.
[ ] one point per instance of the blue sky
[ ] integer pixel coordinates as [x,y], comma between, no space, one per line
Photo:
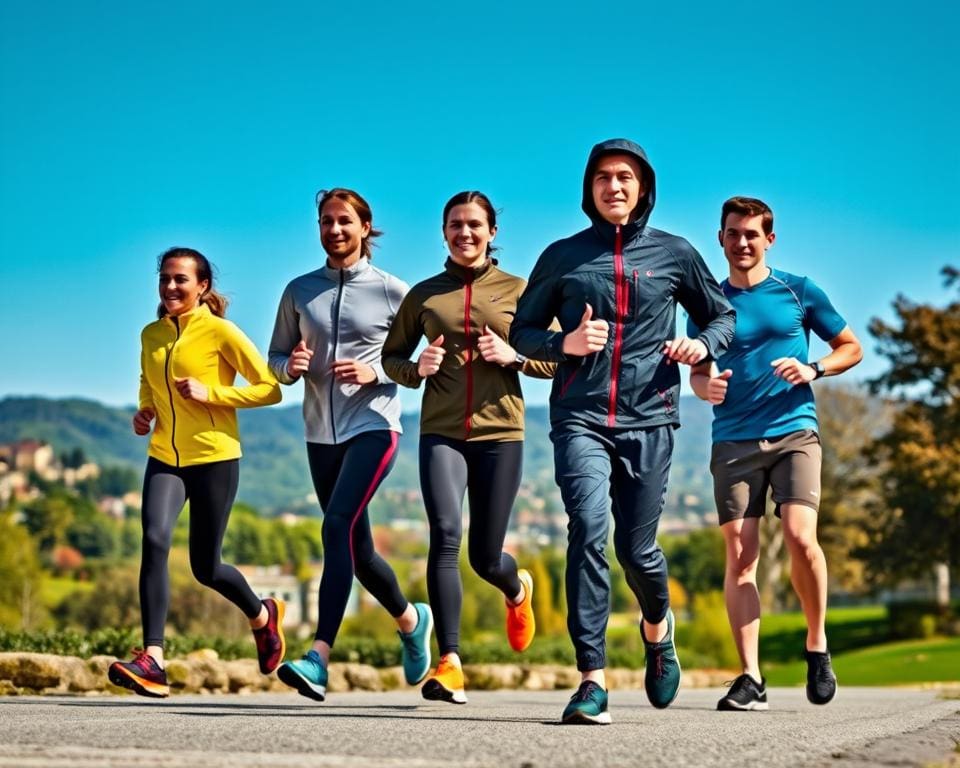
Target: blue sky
[126,128]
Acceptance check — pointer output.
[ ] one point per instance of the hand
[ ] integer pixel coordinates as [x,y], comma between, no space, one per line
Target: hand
[353,372]
[793,371]
[429,361]
[717,387]
[684,350]
[142,419]
[493,349]
[191,389]
[588,337]
[299,360]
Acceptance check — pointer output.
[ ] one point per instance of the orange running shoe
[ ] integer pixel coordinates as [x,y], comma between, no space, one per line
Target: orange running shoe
[521,626]
[446,684]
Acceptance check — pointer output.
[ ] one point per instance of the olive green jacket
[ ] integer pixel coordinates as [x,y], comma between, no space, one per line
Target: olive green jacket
[468,398]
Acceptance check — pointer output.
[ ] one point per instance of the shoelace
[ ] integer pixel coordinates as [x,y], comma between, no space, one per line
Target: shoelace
[142,660]
[658,656]
[583,692]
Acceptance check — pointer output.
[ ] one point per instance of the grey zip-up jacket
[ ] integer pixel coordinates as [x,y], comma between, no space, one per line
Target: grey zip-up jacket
[341,314]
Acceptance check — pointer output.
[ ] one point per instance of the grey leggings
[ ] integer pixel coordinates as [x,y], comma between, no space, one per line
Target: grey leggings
[211,489]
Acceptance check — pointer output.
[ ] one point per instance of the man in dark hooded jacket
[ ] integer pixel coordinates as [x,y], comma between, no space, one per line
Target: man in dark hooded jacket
[614,287]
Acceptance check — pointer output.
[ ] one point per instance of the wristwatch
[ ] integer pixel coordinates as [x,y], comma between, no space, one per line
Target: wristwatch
[818,370]
[518,363]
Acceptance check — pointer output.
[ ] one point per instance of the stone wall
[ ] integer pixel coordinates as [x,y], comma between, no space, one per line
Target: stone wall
[203,672]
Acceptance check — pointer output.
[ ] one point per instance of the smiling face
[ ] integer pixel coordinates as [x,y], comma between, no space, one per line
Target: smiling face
[745,244]
[342,232]
[617,187]
[468,232]
[179,288]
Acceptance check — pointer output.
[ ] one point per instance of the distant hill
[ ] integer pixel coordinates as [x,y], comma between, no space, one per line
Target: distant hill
[274,474]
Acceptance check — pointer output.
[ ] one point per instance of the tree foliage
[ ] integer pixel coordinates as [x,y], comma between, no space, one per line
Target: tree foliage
[920,523]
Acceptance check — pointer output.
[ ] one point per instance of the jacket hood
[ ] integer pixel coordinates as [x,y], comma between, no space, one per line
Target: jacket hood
[620,147]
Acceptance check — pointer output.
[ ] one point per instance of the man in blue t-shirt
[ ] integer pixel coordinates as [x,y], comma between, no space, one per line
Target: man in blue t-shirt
[765,436]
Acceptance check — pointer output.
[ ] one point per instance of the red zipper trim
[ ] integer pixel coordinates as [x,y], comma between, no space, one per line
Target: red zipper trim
[467,298]
[566,385]
[619,290]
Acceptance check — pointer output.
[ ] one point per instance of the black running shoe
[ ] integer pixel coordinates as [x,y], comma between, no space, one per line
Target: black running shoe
[745,694]
[821,681]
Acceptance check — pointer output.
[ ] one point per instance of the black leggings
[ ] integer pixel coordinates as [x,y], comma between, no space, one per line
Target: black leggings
[490,471]
[345,477]
[211,489]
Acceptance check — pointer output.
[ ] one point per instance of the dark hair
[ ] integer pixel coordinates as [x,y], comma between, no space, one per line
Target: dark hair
[747,206]
[473,196]
[215,301]
[361,206]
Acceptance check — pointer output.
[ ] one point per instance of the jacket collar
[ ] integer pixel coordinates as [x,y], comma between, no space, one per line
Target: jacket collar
[468,274]
[199,312]
[628,232]
[355,270]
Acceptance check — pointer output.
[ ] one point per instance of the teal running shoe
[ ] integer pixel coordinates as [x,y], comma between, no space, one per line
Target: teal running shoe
[588,706]
[415,646]
[307,675]
[662,679]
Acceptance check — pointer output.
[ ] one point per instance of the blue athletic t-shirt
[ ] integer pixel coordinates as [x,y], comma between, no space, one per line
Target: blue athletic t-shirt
[774,320]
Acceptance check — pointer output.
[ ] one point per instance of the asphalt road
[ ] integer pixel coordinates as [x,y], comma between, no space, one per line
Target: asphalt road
[509,729]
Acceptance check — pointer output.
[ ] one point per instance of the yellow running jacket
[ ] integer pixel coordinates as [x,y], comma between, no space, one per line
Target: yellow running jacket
[213,351]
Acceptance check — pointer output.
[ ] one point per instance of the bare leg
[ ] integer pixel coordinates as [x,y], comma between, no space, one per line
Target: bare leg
[742,538]
[808,570]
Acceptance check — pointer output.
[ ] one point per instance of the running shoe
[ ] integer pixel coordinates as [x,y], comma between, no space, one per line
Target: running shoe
[271,644]
[415,646]
[142,675]
[821,680]
[588,706]
[308,675]
[446,684]
[662,679]
[745,694]
[521,625]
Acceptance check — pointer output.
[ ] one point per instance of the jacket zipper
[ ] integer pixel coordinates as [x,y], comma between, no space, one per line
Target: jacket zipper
[636,294]
[336,341]
[467,298]
[166,378]
[620,290]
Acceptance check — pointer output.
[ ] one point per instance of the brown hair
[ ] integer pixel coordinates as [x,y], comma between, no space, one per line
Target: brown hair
[473,196]
[747,206]
[361,206]
[216,302]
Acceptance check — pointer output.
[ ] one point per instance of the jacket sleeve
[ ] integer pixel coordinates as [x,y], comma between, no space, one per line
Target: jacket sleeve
[537,369]
[531,332]
[401,342]
[394,292]
[145,400]
[701,295]
[286,335]
[241,354]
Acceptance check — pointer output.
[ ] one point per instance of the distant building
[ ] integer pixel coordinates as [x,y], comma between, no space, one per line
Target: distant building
[271,581]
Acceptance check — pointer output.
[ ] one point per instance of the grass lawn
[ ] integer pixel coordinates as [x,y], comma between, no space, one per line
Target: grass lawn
[903,663]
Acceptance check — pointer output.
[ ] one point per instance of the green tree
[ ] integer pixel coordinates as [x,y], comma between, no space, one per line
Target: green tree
[48,517]
[850,481]
[20,576]
[697,559]
[919,526]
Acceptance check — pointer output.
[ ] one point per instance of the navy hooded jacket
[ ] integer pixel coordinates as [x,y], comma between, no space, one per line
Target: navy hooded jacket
[633,276]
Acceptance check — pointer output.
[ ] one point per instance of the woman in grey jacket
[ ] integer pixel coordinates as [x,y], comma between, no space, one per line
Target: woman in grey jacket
[330,329]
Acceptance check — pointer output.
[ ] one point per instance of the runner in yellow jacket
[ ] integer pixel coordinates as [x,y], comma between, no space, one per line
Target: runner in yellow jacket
[189,360]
